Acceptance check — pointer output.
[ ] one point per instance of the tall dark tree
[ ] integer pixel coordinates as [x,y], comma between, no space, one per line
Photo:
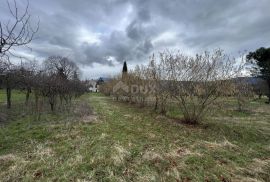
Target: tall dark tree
[125,69]
[100,81]
[261,58]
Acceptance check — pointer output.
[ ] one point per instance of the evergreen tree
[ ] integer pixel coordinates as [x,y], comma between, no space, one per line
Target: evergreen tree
[100,81]
[125,67]
[125,70]
[261,57]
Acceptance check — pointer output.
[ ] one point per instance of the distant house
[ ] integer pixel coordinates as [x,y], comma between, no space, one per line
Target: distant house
[92,86]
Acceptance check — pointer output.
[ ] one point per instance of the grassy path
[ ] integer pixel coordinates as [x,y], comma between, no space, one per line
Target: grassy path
[126,143]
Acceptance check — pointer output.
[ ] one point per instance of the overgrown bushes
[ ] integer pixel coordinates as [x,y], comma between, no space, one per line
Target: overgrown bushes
[193,83]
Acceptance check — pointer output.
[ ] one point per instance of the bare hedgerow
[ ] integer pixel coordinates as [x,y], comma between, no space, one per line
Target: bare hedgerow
[196,82]
[193,83]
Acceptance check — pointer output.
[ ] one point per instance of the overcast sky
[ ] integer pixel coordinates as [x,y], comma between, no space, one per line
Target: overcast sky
[100,34]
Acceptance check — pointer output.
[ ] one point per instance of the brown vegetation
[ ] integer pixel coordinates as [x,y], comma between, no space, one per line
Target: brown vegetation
[193,83]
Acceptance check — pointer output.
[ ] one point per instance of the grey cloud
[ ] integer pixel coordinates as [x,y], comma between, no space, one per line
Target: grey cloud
[132,30]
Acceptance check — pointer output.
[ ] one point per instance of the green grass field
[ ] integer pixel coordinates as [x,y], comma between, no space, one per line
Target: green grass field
[17,96]
[120,142]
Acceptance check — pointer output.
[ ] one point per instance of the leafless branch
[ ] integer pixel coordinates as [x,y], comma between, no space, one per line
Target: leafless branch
[18,31]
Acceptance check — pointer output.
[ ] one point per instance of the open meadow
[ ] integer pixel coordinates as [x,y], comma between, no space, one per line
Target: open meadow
[121,142]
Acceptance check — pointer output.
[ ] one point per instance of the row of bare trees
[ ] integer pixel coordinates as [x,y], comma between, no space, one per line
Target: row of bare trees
[192,83]
[57,80]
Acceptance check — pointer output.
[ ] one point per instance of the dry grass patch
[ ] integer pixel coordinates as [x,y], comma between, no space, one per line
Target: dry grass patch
[11,166]
[182,152]
[258,165]
[152,156]
[119,154]
[75,160]
[7,158]
[90,119]
[223,144]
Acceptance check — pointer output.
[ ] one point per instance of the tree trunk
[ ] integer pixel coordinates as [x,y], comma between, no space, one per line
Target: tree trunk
[27,96]
[163,109]
[61,100]
[156,103]
[36,102]
[8,97]
[268,95]
[52,106]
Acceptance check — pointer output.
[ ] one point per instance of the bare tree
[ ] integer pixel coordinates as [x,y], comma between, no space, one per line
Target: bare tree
[156,71]
[61,65]
[11,79]
[197,82]
[28,72]
[4,65]
[61,79]
[17,31]
[243,91]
